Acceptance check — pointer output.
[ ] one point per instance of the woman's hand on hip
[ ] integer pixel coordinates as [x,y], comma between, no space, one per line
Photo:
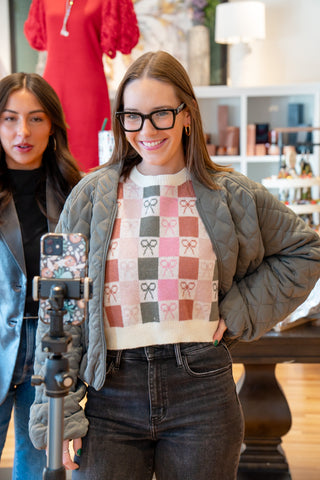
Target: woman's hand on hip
[218,334]
[66,457]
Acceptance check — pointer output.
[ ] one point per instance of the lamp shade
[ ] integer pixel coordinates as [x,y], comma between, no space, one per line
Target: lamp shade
[239,22]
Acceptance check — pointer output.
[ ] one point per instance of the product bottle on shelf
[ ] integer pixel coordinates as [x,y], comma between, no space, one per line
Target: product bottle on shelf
[306,171]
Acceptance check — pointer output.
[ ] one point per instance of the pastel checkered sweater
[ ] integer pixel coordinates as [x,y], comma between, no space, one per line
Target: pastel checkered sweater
[161,279]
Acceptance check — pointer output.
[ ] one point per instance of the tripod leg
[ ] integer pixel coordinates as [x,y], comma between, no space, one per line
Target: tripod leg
[55,469]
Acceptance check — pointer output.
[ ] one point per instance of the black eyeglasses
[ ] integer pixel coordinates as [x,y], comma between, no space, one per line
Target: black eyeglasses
[160,119]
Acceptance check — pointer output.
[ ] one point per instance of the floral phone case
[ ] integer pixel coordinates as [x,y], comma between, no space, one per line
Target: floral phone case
[64,256]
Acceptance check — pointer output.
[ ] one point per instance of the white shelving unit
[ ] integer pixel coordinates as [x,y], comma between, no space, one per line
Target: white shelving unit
[259,105]
[299,182]
[294,184]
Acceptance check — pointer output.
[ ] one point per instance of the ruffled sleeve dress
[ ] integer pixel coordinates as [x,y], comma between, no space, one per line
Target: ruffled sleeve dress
[74,66]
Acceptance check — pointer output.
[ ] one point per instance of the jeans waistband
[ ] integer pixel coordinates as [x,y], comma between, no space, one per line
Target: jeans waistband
[157,352]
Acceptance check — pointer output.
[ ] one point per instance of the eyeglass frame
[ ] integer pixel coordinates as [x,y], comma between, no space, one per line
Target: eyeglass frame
[175,112]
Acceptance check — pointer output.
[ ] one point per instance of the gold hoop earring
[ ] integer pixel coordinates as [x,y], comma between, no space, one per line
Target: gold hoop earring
[187,130]
[54,143]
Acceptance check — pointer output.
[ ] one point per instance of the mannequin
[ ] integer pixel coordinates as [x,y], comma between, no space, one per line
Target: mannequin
[75,34]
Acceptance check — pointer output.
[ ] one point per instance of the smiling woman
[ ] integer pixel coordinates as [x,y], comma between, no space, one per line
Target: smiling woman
[185,258]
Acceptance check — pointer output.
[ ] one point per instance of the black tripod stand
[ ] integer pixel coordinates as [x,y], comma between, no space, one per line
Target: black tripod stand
[57,378]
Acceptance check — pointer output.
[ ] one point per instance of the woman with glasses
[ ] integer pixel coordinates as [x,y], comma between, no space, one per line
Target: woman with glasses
[186,256]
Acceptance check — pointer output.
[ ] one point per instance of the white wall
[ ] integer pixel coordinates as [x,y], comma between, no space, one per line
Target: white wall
[290,52]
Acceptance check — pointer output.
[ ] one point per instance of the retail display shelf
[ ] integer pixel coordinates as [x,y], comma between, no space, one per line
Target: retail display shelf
[284,183]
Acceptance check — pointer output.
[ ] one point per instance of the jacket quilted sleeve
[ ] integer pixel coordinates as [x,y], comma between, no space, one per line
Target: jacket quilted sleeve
[75,422]
[278,261]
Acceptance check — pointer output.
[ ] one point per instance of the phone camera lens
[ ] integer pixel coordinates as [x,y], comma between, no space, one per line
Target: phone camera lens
[53,246]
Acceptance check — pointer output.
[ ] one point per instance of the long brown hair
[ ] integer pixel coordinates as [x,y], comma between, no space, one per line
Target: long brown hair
[164,67]
[60,168]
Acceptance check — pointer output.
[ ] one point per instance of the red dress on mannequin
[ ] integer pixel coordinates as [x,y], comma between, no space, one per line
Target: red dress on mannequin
[74,64]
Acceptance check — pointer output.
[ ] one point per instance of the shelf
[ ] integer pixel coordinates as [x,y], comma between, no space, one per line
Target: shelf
[287,183]
[305,209]
[254,105]
[249,159]
[263,159]
[226,159]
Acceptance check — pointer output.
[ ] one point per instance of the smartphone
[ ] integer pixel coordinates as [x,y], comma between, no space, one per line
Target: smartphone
[64,256]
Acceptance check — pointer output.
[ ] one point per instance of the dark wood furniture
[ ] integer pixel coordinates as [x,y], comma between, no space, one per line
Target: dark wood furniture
[266,410]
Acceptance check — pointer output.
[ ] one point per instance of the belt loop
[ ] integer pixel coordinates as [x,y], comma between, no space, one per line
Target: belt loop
[118,359]
[177,351]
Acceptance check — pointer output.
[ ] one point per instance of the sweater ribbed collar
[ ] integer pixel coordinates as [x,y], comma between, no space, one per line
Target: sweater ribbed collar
[174,179]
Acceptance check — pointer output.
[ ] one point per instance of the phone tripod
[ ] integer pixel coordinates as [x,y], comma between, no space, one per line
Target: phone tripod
[57,379]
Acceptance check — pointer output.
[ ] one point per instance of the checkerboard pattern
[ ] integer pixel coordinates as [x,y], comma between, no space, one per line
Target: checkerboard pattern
[160,265]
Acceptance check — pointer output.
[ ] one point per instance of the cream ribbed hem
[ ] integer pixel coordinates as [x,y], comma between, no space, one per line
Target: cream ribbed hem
[152,333]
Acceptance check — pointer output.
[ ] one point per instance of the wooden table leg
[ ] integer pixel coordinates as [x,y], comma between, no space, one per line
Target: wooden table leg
[267,419]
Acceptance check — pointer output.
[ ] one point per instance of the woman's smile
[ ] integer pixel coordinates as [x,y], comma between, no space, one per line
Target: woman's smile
[152,144]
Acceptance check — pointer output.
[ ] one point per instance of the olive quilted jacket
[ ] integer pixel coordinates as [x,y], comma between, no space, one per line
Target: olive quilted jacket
[268,262]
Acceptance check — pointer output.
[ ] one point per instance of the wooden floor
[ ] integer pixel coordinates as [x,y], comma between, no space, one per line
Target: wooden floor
[301,385]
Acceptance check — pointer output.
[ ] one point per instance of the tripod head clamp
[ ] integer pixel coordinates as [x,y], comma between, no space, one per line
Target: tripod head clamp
[76,288]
